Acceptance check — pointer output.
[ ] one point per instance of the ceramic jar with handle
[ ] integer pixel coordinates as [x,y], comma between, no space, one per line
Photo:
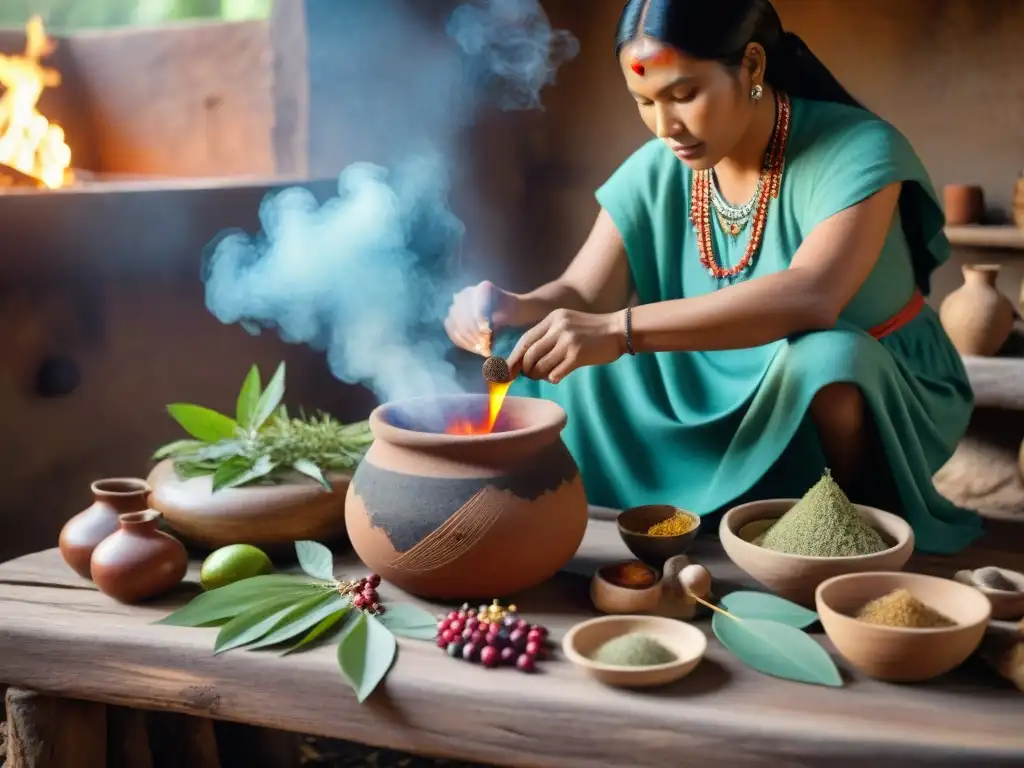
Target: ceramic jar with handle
[82,533]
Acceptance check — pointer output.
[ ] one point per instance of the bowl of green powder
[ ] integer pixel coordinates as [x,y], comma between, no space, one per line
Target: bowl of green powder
[793,545]
[635,651]
[902,627]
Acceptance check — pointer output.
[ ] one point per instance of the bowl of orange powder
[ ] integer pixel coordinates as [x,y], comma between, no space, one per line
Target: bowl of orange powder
[656,532]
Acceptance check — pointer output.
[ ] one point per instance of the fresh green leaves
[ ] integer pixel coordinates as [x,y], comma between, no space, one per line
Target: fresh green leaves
[365,654]
[315,559]
[292,612]
[761,605]
[777,649]
[203,423]
[262,444]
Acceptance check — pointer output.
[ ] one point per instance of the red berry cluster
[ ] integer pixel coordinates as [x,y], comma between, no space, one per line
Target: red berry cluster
[364,593]
[492,638]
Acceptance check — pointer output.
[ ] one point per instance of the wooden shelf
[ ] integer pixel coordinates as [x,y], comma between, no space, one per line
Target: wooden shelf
[1007,238]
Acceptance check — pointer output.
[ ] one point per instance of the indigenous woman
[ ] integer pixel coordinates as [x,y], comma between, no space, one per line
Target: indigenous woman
[748,307]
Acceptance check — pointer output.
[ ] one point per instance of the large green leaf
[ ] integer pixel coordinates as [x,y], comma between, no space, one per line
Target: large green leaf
[203,423]
[248,397]
[306,615]
[777,649]
[761,605]
[315,559]
[232,599]
[365,654]
[177,448]
[269,399]
[410,621]
[230,470]
[254,623]
[309,469]
[321,630]
[262,467]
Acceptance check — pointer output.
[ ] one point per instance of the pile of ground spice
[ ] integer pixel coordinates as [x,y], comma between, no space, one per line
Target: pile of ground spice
[633,649]
[823,524]
[899,608]
[676,525]
[632,575]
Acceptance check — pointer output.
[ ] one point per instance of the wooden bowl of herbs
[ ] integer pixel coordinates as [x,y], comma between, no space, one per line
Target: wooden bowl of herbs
[793,545]
[902,627]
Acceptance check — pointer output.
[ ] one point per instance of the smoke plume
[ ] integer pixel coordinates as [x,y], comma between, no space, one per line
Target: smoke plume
[366,277]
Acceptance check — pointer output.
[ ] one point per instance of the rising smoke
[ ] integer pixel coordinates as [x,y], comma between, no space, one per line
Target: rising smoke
[367,276]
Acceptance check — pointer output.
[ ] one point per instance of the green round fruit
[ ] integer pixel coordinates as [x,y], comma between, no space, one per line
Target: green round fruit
[233,563]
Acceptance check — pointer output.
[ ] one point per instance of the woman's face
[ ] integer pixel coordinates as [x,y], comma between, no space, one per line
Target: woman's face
[699,108]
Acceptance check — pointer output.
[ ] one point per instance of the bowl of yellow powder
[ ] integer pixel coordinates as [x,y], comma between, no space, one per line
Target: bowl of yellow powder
[902,627]
[792,545]
[656,532]
[635,651]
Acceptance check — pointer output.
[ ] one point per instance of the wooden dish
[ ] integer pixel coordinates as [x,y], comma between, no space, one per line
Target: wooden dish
[654,550]
[899,654]
[686,641]
[795,577]
[1006,604]
[666,595]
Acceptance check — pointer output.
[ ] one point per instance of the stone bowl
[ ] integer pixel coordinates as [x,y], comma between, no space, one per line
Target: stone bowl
[685,640]
[633,524]
[795,577]
[898,654]
[466,516]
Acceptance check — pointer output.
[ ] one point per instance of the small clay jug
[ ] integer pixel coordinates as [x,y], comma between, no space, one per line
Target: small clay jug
[977,317]
[964,204]
[83,532]
[139,561]
[1018,202]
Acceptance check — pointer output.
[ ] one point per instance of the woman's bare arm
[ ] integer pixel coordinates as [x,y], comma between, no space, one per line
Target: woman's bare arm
[826,272]
[597,280]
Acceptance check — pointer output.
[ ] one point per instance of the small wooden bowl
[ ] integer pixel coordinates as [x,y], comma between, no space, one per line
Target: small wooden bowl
[611,597]
[899,654]
[686,641]
[633,524]
[795,577]
[1006,604]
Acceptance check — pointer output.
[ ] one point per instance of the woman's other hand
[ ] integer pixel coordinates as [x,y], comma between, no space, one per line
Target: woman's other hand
[566,340]
[476,312]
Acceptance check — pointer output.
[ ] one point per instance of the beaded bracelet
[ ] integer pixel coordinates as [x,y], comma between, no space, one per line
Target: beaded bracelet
[629,330]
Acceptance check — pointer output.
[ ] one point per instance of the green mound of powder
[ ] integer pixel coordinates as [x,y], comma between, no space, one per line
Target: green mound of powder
[823,524]
[633,649]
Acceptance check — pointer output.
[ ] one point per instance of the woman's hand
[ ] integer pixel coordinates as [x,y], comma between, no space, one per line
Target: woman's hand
[566,340]
[475,312]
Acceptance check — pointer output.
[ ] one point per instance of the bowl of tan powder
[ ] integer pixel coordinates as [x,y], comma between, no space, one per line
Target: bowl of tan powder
[792,545]
[902,627]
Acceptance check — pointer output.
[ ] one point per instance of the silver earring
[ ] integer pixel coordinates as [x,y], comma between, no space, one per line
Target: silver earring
[756,92]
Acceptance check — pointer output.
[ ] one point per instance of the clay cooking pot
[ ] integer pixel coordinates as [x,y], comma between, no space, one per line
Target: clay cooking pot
[83,532]
[466,516]
[977,317]
[139,560]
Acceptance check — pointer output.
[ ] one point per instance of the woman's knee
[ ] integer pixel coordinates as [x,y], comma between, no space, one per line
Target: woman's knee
[839,409]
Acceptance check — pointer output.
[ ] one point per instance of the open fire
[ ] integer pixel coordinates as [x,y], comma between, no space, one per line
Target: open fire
[485,424]
[29,143]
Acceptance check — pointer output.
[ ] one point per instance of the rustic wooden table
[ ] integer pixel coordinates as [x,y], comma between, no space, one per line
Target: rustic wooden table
[61,637]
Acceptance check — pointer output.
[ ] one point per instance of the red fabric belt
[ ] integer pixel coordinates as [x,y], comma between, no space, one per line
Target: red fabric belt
[911,310]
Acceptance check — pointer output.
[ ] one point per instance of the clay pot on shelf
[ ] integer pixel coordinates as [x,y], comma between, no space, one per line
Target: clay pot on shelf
[466,516]
[964,204]
[139,561]
[266,516]
[1018,202]
[83,532]
[977,317]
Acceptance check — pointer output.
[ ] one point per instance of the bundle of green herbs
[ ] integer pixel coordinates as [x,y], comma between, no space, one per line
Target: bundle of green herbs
[262,444]
[823,524]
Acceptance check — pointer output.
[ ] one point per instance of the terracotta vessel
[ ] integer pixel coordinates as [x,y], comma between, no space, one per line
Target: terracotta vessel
[899,654]
[1018,202]
[963,203]
[83,532]
[795,577]
[139,561]
[295,510]
[977,317]
[466,516]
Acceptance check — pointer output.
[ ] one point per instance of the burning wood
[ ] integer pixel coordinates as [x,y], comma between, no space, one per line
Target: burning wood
[485,425]
[29,143]
[12,177]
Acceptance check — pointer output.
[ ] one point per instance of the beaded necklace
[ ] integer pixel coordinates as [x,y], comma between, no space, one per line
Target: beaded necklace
[767,190]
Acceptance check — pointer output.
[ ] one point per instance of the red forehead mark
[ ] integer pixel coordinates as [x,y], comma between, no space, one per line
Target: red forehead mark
[637,67]
[659,56]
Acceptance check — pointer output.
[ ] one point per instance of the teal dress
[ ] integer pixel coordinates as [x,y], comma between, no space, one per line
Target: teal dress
[706,430]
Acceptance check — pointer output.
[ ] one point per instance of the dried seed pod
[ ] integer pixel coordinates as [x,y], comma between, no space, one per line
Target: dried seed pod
[496,370]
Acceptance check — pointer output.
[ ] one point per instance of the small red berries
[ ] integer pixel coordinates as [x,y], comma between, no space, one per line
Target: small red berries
[363,593]
[492,640]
